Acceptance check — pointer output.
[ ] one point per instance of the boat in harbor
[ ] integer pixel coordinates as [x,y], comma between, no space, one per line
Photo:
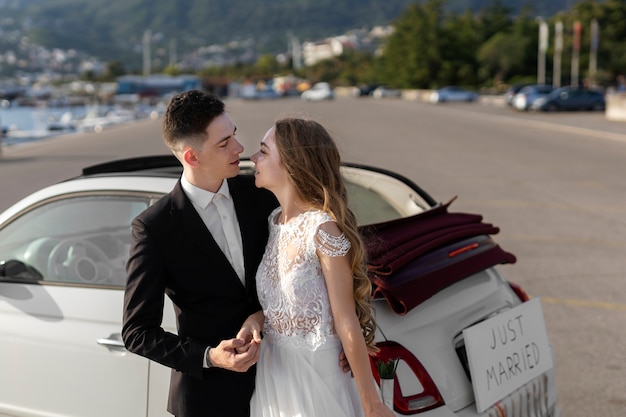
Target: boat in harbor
[65,123]
[25,123]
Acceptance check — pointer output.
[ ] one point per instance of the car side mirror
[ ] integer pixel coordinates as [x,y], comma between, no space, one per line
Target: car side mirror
[18,270]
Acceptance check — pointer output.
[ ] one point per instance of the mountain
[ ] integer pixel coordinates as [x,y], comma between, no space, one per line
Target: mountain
[114,29]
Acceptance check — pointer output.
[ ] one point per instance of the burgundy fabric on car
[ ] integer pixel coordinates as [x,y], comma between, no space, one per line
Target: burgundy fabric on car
[413,258]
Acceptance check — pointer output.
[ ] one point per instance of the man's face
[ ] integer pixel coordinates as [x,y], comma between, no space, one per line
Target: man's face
[219,157]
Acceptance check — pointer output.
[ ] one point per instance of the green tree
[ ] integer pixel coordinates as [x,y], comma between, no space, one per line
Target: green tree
[526,26]
[172,70]
[412,55]
[502,56]
[267,66]
[327,70]
[356,68]
[611,53]
[350,68]
[115,69]
[494,18]
[461,38]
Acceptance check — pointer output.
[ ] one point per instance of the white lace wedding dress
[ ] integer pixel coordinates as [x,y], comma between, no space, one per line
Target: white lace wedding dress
[298,373]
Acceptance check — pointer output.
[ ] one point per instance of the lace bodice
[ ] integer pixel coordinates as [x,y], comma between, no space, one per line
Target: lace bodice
[290,283]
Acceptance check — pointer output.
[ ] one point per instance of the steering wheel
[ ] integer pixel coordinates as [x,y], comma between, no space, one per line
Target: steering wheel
[78,261]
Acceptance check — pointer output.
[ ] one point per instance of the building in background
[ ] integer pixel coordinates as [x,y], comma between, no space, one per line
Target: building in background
[157,85]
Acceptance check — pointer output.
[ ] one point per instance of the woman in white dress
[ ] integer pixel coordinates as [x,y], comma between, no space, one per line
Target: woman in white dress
[312,285]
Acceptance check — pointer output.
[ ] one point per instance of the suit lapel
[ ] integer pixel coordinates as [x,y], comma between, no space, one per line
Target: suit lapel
[195,229]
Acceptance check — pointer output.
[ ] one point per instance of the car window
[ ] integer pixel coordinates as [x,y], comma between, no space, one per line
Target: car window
[376,196]
[79,240]
[368,206]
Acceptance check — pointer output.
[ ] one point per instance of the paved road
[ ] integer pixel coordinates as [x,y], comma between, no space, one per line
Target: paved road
[553,183]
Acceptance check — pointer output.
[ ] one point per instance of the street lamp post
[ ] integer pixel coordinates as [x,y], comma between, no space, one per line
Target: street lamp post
[558,50]
[543,47]
[576,54]
[593,53]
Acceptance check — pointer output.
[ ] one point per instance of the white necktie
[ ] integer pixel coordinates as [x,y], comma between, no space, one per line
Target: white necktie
[232,235]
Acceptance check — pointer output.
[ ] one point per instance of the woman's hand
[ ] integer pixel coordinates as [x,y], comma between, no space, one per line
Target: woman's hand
[380,410]
[250,331]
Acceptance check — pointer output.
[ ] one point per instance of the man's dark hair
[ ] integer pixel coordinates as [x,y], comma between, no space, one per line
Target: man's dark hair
[187,117]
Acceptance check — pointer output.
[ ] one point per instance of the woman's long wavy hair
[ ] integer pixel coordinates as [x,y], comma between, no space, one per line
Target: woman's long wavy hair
[312,161]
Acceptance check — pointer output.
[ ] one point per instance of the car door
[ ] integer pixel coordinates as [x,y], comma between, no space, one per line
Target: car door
[592,100]
[61,298]
[575,99]
[452,94]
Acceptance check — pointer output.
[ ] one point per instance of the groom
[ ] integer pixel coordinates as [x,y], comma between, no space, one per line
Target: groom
[200,245]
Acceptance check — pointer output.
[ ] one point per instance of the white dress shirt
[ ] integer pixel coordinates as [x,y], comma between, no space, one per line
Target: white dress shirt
[218,214]
[220,218]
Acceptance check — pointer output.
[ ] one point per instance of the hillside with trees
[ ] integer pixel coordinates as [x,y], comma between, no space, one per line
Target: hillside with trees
[114,29]
[473,43]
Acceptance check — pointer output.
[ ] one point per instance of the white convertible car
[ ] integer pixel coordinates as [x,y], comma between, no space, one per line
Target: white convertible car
[465,341]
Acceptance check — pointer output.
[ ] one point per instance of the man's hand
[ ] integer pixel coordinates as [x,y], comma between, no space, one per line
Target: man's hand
[344,364]
[227,355]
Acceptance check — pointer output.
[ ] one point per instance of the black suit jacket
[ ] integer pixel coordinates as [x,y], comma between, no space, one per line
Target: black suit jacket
[174,254]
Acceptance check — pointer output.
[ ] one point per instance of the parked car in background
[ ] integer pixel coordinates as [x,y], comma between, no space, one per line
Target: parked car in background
[571,98]
[364,90]
[509,95]
[452,93]
[253,92]
[319,91]
[524,99]
[385,92]
[63,251]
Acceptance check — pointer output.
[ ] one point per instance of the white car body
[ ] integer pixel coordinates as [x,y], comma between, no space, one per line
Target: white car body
[60,341]
[319,91]
[525,98]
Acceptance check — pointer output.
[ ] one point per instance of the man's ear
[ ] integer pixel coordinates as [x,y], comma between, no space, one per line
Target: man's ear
[190,158]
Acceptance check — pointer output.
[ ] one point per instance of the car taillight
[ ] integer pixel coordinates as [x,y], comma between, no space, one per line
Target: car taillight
[426,400]
[519,291]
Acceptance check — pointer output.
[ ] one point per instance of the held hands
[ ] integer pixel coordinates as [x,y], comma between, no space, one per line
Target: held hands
[227,355]
[240,353]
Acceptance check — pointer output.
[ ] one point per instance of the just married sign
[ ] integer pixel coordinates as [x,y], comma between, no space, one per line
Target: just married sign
[507,351]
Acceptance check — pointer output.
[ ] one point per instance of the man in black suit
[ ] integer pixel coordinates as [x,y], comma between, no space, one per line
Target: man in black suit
[200,245]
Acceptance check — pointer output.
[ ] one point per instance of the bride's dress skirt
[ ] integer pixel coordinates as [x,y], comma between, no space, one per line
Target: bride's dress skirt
[298,382]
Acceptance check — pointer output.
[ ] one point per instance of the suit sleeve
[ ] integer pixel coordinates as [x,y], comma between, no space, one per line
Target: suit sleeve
[143,309]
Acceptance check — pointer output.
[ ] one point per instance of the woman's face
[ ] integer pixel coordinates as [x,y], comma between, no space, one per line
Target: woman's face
[269,170]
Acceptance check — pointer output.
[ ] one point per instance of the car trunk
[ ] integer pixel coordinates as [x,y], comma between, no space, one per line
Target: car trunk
[439,321]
